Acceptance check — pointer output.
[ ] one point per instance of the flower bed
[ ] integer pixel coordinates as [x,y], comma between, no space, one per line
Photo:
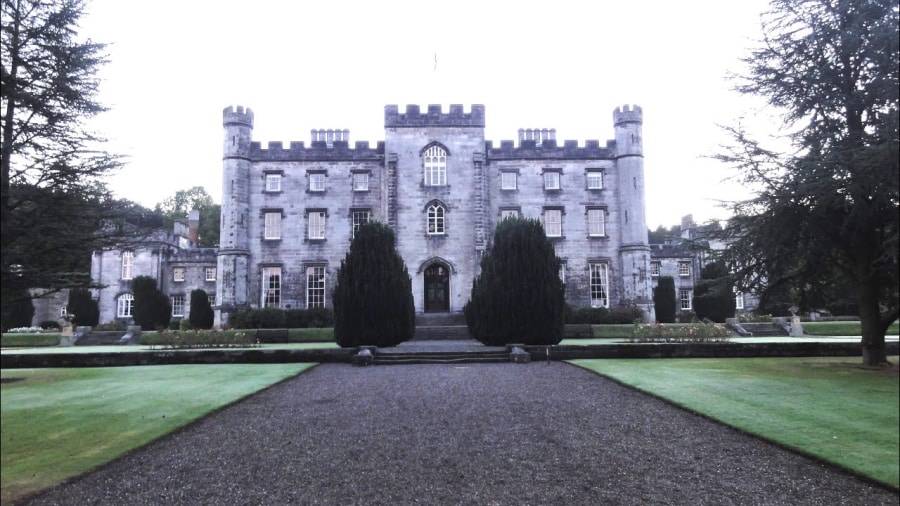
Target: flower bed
[681,333]
[193,339]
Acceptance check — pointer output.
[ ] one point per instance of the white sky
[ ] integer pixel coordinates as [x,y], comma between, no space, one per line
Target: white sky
[175,64]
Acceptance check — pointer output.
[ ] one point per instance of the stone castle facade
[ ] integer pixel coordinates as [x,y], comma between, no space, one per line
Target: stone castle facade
[289,213]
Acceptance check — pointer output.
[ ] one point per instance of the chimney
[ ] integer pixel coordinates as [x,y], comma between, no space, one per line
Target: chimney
[194,225]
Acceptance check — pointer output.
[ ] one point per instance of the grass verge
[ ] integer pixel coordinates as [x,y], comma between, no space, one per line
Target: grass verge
[829,408]
[60,423]
[27,340]
[841,329]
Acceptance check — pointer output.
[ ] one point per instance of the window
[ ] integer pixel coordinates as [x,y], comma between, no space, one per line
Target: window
[127,264]
[178,305]
[63,311]
[210,273]
[125,305]
[594,180]
[596,222]
[271,287]
[684,295]
[357,219]
[273,182]
[178,274]
[684,268]
[272,225]
[435,164]
[508,213]
[551,180]
[599,284]
[435,214]
[553,222]
[212,299]
[360,181]
[508,180]
[654,269]
[738,300]
[316,181]
[315,286]
[316,224]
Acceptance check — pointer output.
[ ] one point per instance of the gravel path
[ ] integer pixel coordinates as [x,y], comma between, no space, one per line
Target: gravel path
[506,434]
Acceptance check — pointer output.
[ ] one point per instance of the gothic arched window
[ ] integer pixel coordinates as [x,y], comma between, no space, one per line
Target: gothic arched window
[434,161]
[435,213]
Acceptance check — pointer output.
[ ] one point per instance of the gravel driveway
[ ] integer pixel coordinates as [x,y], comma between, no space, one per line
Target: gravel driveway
[505,434]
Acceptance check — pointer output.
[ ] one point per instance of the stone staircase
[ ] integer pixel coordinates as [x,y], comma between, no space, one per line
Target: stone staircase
[442,357]
[101,338]
[441,326]
[764,330]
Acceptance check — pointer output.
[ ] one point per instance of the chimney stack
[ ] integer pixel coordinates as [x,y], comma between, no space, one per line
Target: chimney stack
[194,225]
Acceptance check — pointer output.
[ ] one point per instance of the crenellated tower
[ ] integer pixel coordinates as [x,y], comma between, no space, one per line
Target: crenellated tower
[634,251]
[234,253]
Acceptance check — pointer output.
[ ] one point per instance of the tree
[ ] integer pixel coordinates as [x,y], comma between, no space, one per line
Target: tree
[829,210]
[518,297]
[201,315]
[84,307]
[53,200]
[664,299]
[372,299]
[714,293]
[177,208]
[152,309]
[18,313]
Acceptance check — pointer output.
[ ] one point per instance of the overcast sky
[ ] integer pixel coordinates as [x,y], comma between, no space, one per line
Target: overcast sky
[175,64]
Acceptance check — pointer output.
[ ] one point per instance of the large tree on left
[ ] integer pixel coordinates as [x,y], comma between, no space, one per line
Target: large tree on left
[54,205]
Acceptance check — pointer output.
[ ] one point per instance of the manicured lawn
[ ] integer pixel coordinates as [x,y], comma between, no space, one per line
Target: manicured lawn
[830,408]
[841,329]
[26,340]
[59,423]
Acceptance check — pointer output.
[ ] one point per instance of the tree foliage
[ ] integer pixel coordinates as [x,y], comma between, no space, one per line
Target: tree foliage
[18,313]
[178,206]
[152,309]
[53,202]
[372,299]
[201,315]
[714,297]
[84,307]
[827,212]
[664,299]
[518,297]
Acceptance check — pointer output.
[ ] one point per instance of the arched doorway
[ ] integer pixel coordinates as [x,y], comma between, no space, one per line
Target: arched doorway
[437,288]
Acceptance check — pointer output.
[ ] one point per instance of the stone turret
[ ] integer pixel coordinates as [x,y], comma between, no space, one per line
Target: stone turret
[634,250]
[233,259]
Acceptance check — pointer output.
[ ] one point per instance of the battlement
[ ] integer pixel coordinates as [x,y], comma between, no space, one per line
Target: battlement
[413,117]
[550,150]
[338,150]
[231,116]
[628,114]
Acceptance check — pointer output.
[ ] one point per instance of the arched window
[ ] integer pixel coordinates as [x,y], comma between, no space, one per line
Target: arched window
[435,213]
[435,163]
[125,306]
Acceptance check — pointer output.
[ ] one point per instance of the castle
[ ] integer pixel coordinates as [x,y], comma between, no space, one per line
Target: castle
[289,214]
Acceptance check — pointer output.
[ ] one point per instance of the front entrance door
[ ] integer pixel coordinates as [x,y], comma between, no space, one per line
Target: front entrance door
[437,289]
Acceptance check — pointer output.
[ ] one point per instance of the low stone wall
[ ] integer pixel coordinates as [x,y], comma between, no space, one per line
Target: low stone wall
[701,350]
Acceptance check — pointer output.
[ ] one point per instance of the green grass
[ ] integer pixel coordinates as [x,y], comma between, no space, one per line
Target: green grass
[25,340]
[314,335]
[830,408]
[620,331]
[841,329]
[59,423]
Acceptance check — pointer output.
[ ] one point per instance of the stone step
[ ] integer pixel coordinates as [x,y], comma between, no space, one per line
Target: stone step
[764,329]
[101,338]
[483,357]
[441,332]
[440,319]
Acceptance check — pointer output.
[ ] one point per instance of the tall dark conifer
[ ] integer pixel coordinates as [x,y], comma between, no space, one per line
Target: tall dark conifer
[372,299]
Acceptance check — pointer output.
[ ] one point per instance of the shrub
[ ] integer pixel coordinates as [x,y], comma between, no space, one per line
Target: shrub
[687,317]
[152,309]
[372,299]
[85,309]
[201,315]
[317,317]
[603,316]
[198,339]
[692,333]
[518,297]
[664,299]
[18,310]
[714,293]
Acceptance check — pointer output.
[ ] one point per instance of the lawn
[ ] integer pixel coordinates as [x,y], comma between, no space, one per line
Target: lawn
[841,329]
[829,408]
[59,423]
